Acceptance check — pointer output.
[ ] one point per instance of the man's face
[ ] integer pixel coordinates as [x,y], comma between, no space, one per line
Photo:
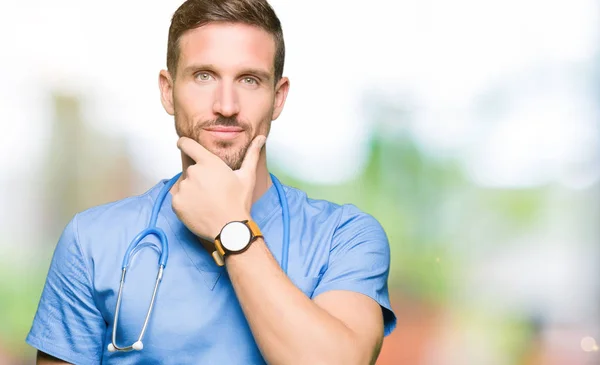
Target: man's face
[223,94]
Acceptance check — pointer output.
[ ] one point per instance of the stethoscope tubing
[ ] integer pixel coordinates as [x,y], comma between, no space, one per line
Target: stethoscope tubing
[152,229]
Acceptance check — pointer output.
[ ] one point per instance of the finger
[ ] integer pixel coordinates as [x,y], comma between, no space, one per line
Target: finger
[193,149]
[252,155]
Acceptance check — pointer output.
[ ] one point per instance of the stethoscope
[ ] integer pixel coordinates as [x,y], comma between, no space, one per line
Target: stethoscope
[152,229]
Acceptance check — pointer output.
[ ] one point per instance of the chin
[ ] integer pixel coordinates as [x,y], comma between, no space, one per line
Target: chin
[222,150]
[232,155]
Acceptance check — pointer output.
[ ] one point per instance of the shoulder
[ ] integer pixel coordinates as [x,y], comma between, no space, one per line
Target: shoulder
[347,220]
[108,220]
[318,207]
[114,210]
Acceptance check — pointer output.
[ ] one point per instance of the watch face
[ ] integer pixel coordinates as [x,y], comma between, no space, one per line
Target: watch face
[235,236]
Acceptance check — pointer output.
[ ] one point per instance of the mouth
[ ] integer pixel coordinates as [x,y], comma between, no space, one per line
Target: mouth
[224,133]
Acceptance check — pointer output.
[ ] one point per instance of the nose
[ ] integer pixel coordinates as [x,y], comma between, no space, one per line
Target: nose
[226,101]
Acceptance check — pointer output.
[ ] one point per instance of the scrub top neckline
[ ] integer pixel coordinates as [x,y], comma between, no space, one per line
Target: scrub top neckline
[261,210]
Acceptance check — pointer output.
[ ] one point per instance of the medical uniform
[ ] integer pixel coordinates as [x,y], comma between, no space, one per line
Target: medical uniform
[197,318]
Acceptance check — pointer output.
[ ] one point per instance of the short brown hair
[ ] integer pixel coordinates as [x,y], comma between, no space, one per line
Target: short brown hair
[196,13]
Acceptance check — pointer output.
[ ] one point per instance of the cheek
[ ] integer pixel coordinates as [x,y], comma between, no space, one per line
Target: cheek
[257,106]
[192,100]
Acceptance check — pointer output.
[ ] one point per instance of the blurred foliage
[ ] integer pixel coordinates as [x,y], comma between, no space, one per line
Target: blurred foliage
[20,290]
[426,207]
[403,189]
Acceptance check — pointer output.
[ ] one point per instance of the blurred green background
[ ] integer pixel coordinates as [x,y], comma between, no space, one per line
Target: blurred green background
[470,130]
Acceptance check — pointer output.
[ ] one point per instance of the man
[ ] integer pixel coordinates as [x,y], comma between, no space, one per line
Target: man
[224,87]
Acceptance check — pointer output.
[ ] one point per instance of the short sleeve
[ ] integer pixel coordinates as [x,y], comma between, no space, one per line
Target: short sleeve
[67,324]
[359,261]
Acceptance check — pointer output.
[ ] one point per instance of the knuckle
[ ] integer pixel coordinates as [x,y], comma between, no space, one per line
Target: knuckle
[192,172]
[181,143]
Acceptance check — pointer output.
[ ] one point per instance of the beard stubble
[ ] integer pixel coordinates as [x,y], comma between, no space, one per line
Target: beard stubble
[224,149]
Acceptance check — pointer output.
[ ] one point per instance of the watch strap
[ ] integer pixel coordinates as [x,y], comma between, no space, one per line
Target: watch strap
[218,258]
[254,229]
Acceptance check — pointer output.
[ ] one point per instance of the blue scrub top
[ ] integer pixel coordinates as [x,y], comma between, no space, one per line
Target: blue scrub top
[197,318]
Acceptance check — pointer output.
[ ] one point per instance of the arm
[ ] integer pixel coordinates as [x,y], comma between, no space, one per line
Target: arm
[343,325]
[338,327]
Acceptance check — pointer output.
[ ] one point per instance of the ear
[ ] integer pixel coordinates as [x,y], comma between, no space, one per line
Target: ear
[281,92]
[165,84]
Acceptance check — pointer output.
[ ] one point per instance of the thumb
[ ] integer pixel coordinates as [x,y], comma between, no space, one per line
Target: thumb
[252,155]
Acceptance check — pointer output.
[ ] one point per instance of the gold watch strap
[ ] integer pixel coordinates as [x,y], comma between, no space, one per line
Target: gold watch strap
[219,247]
[254,229]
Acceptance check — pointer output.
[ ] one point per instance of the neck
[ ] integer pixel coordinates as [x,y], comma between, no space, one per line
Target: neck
[263,178]
[261,185]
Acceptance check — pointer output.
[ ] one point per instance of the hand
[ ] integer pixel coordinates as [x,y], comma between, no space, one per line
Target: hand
[210,194]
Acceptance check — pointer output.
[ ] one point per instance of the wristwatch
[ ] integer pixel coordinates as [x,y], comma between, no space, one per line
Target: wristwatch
[235,237]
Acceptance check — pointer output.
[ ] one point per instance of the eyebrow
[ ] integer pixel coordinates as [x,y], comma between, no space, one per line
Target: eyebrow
[265,75]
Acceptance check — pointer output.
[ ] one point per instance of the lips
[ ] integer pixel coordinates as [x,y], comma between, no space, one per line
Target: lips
[222,132]
[224,129]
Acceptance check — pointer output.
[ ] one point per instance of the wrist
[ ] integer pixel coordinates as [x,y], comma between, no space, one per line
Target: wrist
[257,244]
[234,217]
[235,237]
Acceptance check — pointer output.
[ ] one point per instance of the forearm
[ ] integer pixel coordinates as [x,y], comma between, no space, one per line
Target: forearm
[288,327]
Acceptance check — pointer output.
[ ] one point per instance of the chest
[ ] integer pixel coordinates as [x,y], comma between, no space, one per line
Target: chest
[196,317]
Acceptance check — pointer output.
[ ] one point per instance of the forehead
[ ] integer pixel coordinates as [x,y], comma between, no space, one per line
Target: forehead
[227,46]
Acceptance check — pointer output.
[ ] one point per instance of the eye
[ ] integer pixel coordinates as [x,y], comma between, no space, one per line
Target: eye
[203,76]
[250,80]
